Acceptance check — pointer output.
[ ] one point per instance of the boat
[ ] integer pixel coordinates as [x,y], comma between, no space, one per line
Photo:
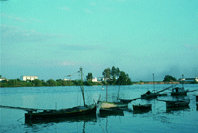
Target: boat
[33,115]
[111,106]
[108,105]
[179,91]
[177,104]
[141,108]
[149,95]
[74,113]
[152,95]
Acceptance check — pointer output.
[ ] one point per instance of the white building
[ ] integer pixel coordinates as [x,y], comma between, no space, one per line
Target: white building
[94,79]
[2,79]
[25,78]
[66,79]
[191,79]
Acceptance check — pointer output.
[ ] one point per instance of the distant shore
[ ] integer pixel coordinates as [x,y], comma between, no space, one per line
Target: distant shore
[75,83]
[157,82]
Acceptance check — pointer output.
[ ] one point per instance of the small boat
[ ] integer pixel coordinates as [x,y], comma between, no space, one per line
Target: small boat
[108,105]
[104,105]
[178,91]
[141,108]
[177,104]
[51,114]
[149,95]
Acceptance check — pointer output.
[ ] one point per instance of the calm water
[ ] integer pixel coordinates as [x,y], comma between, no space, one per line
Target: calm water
[155,121]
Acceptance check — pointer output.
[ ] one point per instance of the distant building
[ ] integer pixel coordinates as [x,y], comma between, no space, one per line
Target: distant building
[25,78]
[66,79]
[94,79]
[191,79]
[2,79]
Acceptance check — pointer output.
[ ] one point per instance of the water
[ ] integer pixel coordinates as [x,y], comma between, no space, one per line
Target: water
[155,121]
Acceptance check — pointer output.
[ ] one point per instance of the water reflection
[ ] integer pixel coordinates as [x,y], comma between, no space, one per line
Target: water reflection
[126,120]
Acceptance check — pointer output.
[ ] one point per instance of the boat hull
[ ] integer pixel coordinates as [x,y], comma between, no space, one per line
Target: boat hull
[179,93]
[149,96]
[142,108]
[177,104]
[71,112]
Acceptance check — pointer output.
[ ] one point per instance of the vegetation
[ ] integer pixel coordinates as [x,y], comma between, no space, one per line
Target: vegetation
[89,77]
[169,78]
[114,76]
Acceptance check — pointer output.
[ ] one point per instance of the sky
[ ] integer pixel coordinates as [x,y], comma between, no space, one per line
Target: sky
[51,39]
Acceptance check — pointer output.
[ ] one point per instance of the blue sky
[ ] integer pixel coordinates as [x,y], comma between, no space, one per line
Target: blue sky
[52,39]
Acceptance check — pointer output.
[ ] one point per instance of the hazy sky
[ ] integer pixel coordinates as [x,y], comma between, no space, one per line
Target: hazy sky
[52,39]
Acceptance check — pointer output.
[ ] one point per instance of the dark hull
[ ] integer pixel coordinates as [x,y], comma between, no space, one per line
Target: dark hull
[149,96]
[142,108]
[51,114]
[80,118]
[177,104]
[179,93]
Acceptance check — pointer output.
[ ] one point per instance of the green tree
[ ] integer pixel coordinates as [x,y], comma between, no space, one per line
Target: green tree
[37,82]
[123,79]
[106,73]
[89,77]
[51,82]
[169,78]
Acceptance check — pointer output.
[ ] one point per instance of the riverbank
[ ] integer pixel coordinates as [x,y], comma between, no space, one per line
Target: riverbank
[162,82]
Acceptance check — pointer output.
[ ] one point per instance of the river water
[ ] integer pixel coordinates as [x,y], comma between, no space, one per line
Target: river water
[155,121]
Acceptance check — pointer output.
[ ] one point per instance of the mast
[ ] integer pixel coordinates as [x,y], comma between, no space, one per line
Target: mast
[106,90]
[153,83]
[182,80]
[82,87]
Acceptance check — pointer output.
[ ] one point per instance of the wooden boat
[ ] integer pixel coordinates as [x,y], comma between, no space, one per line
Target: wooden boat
[140,108]
[67,113]
[178,91]
[149,95]
[106,105]
[177,104]
[70,112]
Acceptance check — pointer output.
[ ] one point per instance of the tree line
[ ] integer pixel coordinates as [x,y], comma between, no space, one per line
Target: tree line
[111,76]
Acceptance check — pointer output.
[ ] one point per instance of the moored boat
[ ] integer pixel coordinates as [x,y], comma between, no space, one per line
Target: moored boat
[177,104]
[149,95]
[51,114]
[108,105]
[179,91]
[142,108]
